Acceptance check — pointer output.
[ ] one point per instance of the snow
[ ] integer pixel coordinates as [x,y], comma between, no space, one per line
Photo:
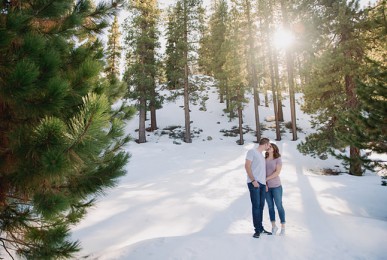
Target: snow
[191,202]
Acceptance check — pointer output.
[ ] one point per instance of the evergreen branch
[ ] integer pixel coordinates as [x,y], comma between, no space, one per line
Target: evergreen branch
[85,129]
[18,241]
[44,7]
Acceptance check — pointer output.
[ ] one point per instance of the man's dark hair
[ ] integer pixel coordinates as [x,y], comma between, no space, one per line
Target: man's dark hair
[264,141]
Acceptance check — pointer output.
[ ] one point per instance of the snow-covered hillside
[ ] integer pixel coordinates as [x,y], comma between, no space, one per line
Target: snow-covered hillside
[190,201]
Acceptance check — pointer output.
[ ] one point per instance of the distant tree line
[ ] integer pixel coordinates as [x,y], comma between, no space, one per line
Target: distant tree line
[336,58]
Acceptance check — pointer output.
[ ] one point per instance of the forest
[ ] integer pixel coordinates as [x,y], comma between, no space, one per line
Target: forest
[65,64]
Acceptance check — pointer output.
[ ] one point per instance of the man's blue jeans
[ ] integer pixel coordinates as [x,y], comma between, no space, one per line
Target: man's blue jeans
[274,196]
[257,196]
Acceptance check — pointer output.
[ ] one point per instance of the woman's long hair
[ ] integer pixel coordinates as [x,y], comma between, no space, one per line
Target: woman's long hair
[276,152]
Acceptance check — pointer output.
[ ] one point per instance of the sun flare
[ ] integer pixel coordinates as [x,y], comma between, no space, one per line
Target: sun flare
[283,39]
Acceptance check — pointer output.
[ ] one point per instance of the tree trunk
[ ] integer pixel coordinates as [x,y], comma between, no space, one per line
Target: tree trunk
[257,124]
[355,163]
[277,88]
[187,134]
[5,153]
[221,94]
[272,75]
[227,92]
[290,69]
[152,109]
[153,126]
[253,72]
[273,88]
[141,127]
[240,118]
[352,102]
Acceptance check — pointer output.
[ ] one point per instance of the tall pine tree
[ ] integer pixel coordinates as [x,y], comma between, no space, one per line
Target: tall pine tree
[235,67]
[142,65]
[290,69]
[212,46]
[183,32]
[116,88]
[174,63]
[251,31]
[60,142]
[368,126]
[331,90]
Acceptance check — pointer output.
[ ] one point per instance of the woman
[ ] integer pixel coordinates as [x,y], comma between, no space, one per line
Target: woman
[274,187]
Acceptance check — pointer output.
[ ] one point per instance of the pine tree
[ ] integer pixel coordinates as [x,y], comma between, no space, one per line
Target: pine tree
[235,67]
[368,126]
[116,87]
[60,141]
[218,25]
[114,49]
[204,52]
[183,30]
[331,88]
[262,57]
[174,67]
[251,31]
[271,55]
[290,70]
[142,65]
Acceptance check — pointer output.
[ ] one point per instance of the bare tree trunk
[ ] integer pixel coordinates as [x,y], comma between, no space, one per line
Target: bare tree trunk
[257,124]
[253,71]
[221,94]
[277,88]
[290,69]
[273,88]
[187,135]
[152,109]
[272,74]
[227,92]
[240,117]
[141,127]
[153,126]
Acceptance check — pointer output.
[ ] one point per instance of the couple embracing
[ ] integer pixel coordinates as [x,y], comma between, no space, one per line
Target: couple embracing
[264,184]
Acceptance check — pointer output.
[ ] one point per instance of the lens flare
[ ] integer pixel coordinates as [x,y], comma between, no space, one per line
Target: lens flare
[283,39]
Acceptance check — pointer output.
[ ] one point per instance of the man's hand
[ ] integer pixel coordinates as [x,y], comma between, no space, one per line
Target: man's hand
[255,184]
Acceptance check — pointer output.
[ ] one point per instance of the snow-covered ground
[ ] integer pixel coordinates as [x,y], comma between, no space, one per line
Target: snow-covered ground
[190,201]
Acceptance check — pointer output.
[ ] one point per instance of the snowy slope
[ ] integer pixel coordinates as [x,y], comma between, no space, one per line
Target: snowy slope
[190,201]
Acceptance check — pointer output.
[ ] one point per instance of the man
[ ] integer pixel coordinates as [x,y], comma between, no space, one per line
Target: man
[255,166]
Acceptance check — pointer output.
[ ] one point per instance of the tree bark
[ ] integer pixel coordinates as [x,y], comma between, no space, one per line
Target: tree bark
[253,72]
[290,69]
[240,118]
[352,102]
[272,75]
[277,88]
[273,88]
[141,127]
[152,109]
[187,135]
